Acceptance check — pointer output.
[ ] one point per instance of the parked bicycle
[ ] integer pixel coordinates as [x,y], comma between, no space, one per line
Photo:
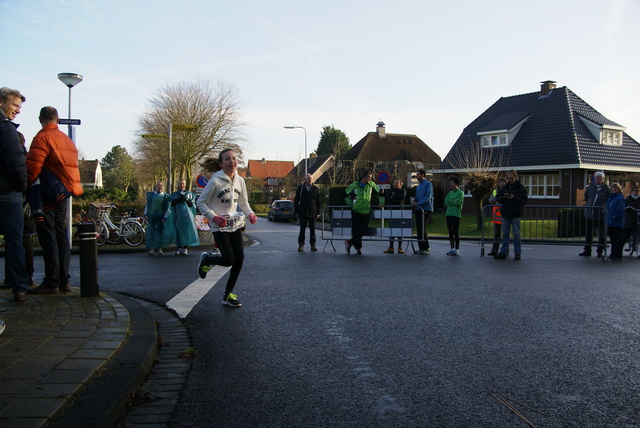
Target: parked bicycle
[109,231]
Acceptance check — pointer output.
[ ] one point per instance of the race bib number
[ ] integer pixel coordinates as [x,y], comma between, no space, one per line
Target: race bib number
[235,221]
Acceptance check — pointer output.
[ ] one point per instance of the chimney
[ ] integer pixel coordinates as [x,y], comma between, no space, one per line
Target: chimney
[546,87]
[264,160]
[380,129]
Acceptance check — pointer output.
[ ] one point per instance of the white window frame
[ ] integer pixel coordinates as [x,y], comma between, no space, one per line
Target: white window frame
[495,140]
[546,185]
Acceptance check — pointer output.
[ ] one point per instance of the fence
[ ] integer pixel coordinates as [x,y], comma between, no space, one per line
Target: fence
[550,225]
[385,222]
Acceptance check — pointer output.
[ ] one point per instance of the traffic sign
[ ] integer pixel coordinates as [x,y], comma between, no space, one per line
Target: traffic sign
[69,121]
[154,135]
[183,127]
[383,177]
[201,181]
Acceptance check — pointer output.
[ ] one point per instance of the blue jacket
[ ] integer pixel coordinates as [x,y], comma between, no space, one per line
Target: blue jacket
[615,210]
[424,195]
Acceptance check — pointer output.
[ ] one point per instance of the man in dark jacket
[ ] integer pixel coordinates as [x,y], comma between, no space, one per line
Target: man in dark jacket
[13,181]
[513,196]
[307,209]
[596,195]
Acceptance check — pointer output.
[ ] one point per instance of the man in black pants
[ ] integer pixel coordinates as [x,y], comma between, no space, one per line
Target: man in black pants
[307,208]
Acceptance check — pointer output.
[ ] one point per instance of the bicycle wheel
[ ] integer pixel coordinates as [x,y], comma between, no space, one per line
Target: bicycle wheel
[103,234]
[133,233]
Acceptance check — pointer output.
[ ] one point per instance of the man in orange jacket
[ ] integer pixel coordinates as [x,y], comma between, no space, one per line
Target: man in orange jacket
[53,157]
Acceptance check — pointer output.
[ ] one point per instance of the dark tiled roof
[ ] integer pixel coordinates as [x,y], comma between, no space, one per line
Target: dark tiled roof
[553,134]
[394,147]
[87,170]
[505,121]
[313,164]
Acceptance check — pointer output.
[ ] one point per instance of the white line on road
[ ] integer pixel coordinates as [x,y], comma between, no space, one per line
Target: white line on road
[184,301]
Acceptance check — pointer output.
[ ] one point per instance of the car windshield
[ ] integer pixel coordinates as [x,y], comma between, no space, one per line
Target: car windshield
[285,205]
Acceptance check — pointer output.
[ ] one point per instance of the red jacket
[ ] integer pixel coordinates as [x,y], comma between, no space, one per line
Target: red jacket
[51,149]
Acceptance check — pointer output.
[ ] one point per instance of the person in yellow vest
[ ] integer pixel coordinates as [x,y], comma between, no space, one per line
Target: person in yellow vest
[496,219]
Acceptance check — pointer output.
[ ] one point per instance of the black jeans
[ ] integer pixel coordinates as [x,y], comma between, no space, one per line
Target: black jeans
[617,244]
[421,228]
[359,228]
[453,226]
[304,221]
[54,240]
[590,224]
[231,254]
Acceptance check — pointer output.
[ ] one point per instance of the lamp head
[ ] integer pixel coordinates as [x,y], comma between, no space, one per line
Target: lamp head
[70,79]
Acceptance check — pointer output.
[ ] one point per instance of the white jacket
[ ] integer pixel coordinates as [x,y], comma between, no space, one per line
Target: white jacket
[221,197]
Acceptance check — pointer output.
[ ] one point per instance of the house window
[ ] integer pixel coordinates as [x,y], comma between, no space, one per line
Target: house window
[541,186]
[611,137]
[497,140]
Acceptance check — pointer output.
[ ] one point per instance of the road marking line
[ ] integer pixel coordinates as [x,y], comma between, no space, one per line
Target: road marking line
[188,298]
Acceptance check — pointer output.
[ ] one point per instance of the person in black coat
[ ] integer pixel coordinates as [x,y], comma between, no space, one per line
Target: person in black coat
[632,207]
[513,196]
[396,196]
[307,208]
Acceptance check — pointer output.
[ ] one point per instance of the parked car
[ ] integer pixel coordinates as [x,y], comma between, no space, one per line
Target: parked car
[281,210]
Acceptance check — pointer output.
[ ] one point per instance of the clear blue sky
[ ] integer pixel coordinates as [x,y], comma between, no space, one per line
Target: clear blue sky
[423,67]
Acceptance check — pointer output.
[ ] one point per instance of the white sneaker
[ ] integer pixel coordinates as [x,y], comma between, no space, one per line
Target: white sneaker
[184,251]
[160,252]
[177,253]
[452,252]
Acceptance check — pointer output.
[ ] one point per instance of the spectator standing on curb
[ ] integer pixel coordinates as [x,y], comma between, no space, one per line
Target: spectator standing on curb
[615,220]
[453,203]
[306,205]
[183,211]
[156,212]
[359,199]
[219,202]
[496,218]
[632,208]
[423,210]
[13,181]
[53,174]
[513,196]
[396,196]
[596,195]
[29,231]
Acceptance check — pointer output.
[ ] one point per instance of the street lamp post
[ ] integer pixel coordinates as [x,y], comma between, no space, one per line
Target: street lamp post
[305,145]
[70,80]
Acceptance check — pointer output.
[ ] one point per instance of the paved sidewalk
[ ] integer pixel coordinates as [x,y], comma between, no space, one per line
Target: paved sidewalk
[71,360]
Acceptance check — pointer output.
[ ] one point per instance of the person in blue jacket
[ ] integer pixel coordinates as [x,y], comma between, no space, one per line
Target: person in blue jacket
[423,210]
[615,220]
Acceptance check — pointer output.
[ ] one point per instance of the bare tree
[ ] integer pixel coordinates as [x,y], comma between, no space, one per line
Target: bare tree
[480,168]
[213,108]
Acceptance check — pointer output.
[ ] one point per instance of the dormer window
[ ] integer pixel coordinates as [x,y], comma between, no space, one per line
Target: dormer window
[494,140]
[607,135]
[501,131]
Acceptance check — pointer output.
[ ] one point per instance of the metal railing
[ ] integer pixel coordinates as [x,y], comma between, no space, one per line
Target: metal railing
[386,221]
[551,225]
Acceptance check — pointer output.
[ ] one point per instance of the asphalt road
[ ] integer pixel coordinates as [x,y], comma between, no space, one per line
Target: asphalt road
[326,339]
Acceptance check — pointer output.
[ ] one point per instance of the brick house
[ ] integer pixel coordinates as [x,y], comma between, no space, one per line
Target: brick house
[553,138]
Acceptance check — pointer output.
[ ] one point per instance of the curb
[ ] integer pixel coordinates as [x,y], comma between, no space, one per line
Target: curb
[104,399]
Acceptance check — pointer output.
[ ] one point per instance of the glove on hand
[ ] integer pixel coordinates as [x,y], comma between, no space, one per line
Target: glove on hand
[220,221]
